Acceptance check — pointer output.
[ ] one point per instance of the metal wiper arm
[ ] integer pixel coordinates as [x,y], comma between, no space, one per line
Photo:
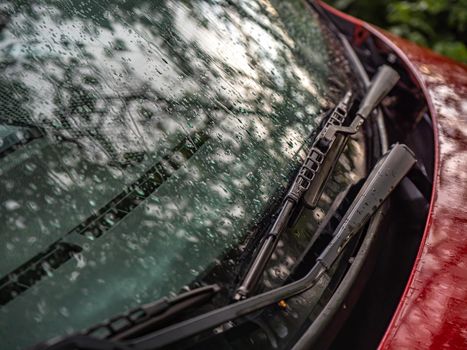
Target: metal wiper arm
[314,173]
[333,139]
[382,180]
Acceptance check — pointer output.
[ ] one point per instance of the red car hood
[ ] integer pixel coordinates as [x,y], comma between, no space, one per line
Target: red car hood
[432,312]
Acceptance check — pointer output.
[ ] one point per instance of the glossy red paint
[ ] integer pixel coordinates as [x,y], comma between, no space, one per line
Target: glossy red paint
[432,312]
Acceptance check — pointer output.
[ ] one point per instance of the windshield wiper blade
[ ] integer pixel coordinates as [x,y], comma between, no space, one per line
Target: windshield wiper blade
[134,323]
[154,315]
[301,184]
[380,183]
[382,180]
[314,173]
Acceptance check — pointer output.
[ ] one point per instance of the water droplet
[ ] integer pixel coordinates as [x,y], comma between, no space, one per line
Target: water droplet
[64,312]
[11,204]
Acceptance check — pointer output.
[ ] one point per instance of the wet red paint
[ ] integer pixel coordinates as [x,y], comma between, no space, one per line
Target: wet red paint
[433,310]
[432,313]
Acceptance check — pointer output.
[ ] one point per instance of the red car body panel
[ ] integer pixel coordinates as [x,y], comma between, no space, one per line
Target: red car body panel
[432,312]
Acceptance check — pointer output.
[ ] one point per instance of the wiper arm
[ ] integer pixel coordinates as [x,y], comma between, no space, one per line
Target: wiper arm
[382,180]
[314,173]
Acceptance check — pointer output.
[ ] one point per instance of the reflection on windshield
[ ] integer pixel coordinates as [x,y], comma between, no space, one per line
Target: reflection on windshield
[166,130]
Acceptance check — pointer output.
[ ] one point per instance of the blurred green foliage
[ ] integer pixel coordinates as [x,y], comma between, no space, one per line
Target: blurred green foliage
[438,24]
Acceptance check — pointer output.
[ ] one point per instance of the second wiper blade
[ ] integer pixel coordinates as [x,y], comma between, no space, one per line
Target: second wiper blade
[314,173]
[299,187]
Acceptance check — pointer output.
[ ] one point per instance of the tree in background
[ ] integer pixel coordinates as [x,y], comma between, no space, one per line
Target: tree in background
[438,24]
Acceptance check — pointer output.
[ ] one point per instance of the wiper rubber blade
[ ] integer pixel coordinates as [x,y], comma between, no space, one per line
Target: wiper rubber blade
[314,173]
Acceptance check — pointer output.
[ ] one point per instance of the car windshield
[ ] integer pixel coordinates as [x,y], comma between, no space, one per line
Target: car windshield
[140,142]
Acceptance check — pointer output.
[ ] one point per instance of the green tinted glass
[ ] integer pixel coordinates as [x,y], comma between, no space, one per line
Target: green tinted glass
[140,141]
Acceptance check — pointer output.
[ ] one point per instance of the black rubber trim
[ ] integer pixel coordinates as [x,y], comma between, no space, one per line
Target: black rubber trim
[339,306]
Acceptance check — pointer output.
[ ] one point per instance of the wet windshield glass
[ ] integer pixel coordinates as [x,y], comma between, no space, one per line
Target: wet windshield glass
[140,140]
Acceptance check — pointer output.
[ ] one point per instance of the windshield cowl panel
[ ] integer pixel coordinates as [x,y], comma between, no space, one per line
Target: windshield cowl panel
[163,131]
